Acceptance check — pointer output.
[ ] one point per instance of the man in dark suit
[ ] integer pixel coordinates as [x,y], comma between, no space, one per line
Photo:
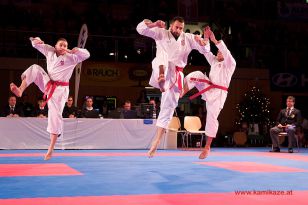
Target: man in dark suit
[13,110]
[127,112]
[288,118]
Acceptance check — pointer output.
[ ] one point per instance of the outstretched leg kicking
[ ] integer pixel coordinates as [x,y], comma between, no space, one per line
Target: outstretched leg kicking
[37,75]
[34,74]
[18,90]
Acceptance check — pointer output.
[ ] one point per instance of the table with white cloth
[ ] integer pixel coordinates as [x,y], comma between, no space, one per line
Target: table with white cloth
[81,133]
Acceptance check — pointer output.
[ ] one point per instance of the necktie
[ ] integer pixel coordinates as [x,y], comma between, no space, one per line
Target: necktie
[288,111]
[12,109]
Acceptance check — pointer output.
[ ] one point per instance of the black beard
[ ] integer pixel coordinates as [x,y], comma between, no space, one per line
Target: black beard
[175,36]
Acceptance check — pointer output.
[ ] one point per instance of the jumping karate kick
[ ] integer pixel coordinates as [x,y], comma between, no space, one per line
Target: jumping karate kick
[54,84]
[214,89]
[176,46]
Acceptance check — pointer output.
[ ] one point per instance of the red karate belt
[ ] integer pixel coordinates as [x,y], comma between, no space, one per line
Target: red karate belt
[211,86]
[178,78]
[50,89]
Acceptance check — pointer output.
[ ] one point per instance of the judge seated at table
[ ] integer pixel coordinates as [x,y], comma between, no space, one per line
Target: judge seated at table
[12,109]
[127,112]
[287,121]
[89,111]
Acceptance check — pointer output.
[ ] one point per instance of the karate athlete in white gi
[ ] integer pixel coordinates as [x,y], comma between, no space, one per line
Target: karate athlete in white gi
[214,89]
[176,46]
[55,85]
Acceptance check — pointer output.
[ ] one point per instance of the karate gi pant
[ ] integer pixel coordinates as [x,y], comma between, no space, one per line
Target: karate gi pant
[36,74]
[213,105]
[169,101]
[170,98]
[157,61]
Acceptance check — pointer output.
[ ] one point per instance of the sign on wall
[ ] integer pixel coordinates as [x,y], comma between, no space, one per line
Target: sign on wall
[115,74]
[289,81]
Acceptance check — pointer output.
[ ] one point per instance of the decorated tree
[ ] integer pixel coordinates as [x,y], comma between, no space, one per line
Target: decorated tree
[254,109]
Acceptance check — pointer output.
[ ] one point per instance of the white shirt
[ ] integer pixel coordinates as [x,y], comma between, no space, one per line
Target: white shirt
[176,50]
[89,108]
[60,68]
[287,109]
[221,72]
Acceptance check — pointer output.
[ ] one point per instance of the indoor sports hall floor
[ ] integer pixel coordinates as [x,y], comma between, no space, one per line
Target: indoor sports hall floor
[247,176]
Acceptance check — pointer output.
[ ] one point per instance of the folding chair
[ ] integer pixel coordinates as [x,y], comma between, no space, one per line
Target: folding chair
[240,138]
[175,126]
[282,135]
[192,125]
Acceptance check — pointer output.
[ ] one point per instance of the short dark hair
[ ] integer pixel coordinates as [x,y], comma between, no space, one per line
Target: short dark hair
[291,98]
[127,101]
[178,18]
[12,96]
[61,39]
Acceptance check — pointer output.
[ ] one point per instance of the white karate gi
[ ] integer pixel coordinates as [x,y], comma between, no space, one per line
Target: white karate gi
[160,59]
[220,74]
[59,68]
[177,52]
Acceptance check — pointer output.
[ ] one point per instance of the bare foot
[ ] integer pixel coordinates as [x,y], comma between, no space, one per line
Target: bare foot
[16,90]
[161,82]
[205,153]
[153,149]
[48,156]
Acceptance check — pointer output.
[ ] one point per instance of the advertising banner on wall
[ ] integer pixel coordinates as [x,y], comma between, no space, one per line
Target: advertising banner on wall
[289,81]
[115,74]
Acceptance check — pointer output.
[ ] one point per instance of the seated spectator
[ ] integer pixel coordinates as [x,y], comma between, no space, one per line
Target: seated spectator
[155,108]
[288,119]
[13,110]
[127,112]
[89,111]
[127,105]
[70,111]
[41,110]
